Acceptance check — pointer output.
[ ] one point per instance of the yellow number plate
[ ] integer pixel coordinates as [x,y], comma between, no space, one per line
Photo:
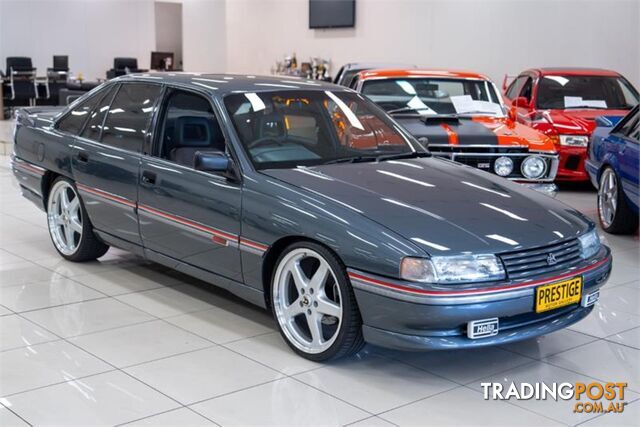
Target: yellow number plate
[559,294]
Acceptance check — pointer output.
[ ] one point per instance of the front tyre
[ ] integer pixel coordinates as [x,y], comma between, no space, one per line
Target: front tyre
[69,226]
[314,304]
[616,217]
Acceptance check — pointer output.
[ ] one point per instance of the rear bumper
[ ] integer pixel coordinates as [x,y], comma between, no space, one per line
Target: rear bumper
[398,317]
[29,178]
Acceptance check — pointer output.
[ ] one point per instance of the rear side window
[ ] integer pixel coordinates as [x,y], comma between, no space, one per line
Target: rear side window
[74,120]
[93,127]
[128,118]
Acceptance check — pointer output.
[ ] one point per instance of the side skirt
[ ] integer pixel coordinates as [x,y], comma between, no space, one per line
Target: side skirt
[247,293]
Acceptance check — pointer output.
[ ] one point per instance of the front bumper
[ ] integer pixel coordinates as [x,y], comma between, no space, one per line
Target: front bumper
[396,314]
[572,164]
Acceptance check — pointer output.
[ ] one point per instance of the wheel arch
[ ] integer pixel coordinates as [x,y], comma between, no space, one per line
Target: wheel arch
[47,181]
[274,252]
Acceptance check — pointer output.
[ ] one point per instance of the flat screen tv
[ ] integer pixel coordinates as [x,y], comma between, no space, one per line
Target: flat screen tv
[332,13]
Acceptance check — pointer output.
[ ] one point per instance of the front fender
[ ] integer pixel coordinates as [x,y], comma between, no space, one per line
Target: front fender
[273,210]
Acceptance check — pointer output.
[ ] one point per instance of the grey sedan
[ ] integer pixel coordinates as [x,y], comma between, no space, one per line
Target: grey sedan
[307,199]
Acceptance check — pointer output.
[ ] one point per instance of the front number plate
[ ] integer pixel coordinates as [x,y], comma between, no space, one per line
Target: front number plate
[559,294]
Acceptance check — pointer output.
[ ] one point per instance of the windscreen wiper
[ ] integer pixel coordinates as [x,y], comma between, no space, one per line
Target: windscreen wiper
[353,159]
[584,107]
[398,156]
[404,110]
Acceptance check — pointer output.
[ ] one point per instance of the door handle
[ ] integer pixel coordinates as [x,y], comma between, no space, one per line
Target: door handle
[83,157]
[148,177]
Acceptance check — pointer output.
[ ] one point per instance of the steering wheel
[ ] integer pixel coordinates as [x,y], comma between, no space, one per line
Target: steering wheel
[266,140]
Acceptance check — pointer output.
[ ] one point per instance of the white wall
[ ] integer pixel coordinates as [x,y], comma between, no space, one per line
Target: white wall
[492,36]
[92,33]
[168,27]
[204,36]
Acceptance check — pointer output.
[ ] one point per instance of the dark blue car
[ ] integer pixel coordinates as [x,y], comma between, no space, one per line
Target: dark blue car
[612,164]
[307,199]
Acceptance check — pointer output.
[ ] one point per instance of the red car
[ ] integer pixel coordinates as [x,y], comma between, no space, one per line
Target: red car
[563,104]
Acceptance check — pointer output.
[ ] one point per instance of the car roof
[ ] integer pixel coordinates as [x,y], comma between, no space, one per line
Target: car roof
[223,84]
[575,71]
[356,66]
[417,72]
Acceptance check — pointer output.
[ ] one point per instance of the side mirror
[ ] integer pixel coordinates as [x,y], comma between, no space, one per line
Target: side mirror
[607,121]
[512,113]
[215,162]
[521,102]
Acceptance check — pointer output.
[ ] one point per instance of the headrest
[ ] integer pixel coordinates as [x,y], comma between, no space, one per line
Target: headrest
[19,63]
[194,131]
[272,124]
[61,62]
[122,63]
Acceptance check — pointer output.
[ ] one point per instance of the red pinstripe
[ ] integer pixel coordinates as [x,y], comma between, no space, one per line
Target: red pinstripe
[106,195]
[372,281]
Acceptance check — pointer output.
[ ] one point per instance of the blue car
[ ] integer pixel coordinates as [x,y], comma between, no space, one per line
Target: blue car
[612,164]
[306,199]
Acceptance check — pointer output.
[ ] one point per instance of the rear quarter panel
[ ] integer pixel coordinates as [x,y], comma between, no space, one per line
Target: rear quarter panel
[37,143]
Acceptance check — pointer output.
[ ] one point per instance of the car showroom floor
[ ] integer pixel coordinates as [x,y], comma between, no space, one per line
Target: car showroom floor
[124,341]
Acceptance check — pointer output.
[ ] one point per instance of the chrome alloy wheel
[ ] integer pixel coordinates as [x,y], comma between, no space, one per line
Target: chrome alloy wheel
[307,302]
[64,217]
[608,197]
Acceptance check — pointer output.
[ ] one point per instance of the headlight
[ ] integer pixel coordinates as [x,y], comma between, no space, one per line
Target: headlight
[574,140]
[503,166]
[533,167]
[589,244]
[452,269]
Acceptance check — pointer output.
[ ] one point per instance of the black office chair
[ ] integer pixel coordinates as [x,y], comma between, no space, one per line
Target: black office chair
[22,86]
[56,80]
[122,66]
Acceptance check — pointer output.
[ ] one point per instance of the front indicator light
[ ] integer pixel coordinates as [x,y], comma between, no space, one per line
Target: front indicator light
[503,166]
[453,269]
[533,167]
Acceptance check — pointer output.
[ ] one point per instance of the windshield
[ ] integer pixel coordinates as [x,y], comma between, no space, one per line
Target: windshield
[434,96]
[598,92]
[286,129]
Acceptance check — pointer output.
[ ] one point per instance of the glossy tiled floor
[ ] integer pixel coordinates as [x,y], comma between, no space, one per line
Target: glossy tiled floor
[123,341]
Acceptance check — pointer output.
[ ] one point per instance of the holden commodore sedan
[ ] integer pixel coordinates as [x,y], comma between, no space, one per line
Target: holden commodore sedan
[307,199]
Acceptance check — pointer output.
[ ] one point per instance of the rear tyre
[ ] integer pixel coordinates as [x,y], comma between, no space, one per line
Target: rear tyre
[314,304]
[614,213]
[69,226]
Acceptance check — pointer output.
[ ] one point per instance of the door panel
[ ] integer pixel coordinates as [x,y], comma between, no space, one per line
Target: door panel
[107,175]
[189,215]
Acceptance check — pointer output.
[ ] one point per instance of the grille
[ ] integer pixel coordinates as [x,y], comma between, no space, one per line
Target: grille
[533,262]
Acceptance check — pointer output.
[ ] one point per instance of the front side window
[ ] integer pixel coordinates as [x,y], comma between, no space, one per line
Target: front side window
[189,125]
[629,124]
[527,89]
[128,118]
[585,92]
[434,96]
[74,120]
[514,88]
[285,129]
